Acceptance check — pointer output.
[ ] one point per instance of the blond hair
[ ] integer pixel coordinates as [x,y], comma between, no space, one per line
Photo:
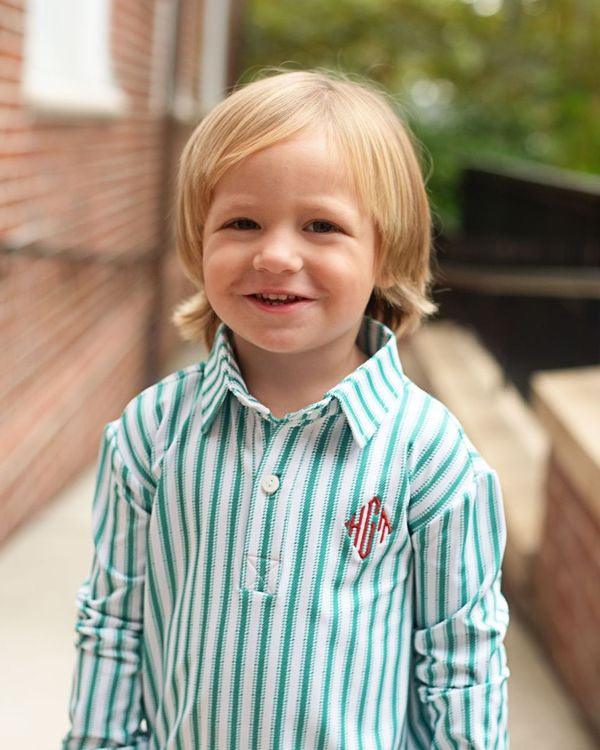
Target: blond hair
[382,160]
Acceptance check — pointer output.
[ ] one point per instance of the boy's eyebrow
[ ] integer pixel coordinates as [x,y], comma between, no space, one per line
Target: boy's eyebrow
[327,203]
[315,204]
[235,201]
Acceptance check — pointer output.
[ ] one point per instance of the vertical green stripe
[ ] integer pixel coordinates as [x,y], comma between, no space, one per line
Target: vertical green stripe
[108,566]
[373,391]
[189,576]
[442,499]
[265,630]
[365,458]
[237,686]
[391,459]
[443,576]
[213,519]
[367,677]
[298,569]
[328,512]
[163,512]
[227,590]
[434,445]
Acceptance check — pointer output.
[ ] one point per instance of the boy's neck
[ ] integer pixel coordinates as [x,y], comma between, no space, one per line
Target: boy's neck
[285,383]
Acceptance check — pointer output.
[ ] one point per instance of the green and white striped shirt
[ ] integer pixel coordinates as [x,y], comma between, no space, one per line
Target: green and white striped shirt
[326,580]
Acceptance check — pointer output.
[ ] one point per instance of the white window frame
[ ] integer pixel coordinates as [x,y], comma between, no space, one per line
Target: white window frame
[67,63]
[214,58]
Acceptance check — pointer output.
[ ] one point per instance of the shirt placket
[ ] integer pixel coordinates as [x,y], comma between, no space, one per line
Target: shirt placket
[261,565]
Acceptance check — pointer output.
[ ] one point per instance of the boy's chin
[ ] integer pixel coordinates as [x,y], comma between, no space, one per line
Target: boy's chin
[272,344]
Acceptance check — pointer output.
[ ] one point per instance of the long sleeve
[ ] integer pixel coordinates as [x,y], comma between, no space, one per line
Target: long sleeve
[106,706]
[459,697]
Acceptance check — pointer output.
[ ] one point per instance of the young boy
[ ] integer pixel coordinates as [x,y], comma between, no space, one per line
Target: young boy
[295,547]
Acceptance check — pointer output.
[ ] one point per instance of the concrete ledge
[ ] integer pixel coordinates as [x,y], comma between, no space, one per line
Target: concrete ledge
[568,403]
[450,363]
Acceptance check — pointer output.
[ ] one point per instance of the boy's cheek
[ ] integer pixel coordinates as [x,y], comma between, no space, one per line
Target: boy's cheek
[214,267]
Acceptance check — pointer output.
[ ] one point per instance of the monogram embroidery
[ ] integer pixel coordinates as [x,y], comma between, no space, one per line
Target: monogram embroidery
[364,529]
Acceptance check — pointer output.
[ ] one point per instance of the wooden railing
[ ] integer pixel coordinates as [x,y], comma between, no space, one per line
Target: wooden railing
[524,268]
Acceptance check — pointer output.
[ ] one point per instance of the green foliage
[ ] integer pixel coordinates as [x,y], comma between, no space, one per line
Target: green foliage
[498,78]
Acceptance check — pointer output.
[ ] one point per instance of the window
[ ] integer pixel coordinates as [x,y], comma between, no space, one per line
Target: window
[67,68]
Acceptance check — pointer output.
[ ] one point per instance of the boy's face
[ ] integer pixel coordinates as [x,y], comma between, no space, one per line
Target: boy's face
[289,251]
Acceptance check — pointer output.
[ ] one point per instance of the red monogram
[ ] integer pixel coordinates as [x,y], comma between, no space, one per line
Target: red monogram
[364,529]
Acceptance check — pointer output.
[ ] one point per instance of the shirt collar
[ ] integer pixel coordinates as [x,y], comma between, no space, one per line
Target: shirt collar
[365,396]
[368,393]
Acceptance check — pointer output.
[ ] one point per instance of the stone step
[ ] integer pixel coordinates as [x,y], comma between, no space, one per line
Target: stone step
[449,361]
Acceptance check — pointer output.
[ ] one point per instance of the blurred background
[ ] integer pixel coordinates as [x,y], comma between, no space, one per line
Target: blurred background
[97,99]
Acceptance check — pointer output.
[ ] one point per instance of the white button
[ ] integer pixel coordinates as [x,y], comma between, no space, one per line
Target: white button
[270,483]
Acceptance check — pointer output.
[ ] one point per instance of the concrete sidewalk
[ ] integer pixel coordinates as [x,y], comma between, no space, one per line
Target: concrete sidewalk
[41,568]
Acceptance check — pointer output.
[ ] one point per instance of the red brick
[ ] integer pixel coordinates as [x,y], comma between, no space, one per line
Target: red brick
[75,333]
[566,580]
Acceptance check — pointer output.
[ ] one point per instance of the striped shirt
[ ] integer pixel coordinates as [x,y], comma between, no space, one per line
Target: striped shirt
[330,579]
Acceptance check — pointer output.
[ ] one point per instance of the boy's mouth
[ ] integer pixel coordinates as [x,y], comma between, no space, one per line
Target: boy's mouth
[277,300]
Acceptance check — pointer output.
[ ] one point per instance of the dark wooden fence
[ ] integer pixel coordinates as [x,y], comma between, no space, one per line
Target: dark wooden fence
[524,270]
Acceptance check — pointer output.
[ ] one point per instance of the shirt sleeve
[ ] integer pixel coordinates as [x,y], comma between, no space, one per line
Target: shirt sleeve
[106,705]
[459,697]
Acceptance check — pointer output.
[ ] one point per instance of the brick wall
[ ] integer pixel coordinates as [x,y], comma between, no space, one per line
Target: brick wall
[77,328]
[567,569]
[567,581]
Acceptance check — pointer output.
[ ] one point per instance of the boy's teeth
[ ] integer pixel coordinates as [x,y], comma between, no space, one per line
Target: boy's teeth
[277,297]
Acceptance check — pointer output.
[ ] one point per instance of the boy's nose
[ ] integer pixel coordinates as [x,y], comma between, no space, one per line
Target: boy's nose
[278,255]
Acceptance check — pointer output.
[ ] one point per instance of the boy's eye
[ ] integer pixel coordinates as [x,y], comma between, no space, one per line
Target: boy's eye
[322,227]
[242,224]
